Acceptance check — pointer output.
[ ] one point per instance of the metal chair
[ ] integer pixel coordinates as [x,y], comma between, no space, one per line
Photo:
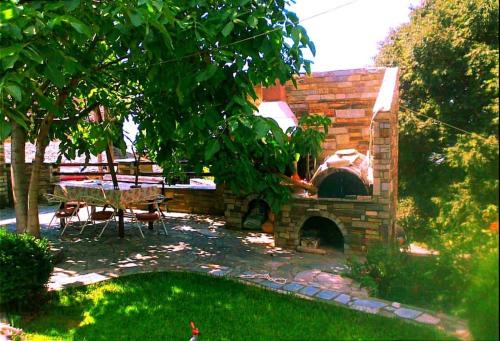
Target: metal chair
[155,214]
[67,210]
[104,216]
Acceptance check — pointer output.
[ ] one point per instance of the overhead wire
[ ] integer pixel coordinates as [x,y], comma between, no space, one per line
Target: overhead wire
[437,121]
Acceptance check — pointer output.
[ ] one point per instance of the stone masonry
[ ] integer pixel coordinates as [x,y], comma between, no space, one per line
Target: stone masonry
[362,105]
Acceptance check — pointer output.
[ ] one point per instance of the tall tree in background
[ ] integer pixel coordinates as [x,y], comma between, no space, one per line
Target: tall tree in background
[185,70]
[448,54]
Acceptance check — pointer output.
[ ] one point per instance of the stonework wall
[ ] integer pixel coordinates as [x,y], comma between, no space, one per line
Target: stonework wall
[196,201]
[359,219]
[4,179]
[363,107]
[347,97]
[46,181]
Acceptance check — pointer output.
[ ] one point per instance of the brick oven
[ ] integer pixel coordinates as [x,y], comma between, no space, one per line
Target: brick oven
[358,176]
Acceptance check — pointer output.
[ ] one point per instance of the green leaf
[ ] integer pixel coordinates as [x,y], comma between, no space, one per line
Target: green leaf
[54,75]
[252,21]
[239,100]
[71,66]
[296,35]
[9,51]
[312,47]
[212,147]
[207,73]
[15,91]
[166,36]
[47,104]
[30,30]
[307,66]
[79,26]
[51,6]
[8,62]
[136,18]
[33,55]
[18,117]
[179,93]
[71,5]
[261,129]
[7,14]
[229,144]
[5,129]
[227,29]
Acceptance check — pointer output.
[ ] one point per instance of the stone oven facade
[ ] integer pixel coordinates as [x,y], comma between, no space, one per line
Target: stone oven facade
[362,105]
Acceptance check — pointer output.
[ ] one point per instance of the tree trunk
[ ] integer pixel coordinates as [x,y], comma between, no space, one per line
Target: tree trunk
[34,188]
[41,144]
[18,177]
[109,149]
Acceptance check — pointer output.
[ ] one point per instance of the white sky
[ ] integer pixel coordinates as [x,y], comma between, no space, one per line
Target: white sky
[348,38]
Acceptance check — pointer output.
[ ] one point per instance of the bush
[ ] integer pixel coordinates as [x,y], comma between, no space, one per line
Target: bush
[412,222]
[25,264]
[482,299]
[425,281]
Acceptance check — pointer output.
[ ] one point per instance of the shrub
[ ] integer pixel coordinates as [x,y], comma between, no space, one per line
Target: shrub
[426,281]
[482,299]
[411,221]
[25,264]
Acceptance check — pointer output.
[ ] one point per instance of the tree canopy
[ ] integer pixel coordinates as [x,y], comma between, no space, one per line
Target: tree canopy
[184,71]
[448,55]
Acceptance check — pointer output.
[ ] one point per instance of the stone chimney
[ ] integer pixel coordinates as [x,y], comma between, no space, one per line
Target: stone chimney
[274,93]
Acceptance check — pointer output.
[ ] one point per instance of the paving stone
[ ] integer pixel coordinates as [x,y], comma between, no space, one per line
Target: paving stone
[328,279]
[343,298]
[271,284]
[327,294]
[309,291]
[369,304]
[429,319]
[385,313]
[218,272]
[307,276]
[407,313]
[293,287]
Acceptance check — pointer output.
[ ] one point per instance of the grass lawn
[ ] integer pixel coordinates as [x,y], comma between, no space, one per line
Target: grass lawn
[159,306]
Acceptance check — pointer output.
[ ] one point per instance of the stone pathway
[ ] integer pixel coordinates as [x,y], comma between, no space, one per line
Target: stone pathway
[201,244]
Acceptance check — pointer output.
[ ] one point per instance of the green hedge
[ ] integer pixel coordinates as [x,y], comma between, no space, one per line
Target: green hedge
[25,268]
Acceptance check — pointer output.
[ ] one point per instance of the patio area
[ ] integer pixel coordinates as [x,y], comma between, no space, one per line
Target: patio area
[195,243]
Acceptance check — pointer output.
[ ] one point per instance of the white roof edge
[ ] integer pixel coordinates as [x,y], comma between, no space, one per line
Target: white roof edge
[386,92]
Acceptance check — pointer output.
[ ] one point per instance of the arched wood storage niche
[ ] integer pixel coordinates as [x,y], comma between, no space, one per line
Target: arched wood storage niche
[256,213]
[325,231]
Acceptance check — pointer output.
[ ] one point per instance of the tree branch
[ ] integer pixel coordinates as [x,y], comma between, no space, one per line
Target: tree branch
[108,64]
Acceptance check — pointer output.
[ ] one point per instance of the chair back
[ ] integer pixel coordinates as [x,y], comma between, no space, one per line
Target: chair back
[52,198]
